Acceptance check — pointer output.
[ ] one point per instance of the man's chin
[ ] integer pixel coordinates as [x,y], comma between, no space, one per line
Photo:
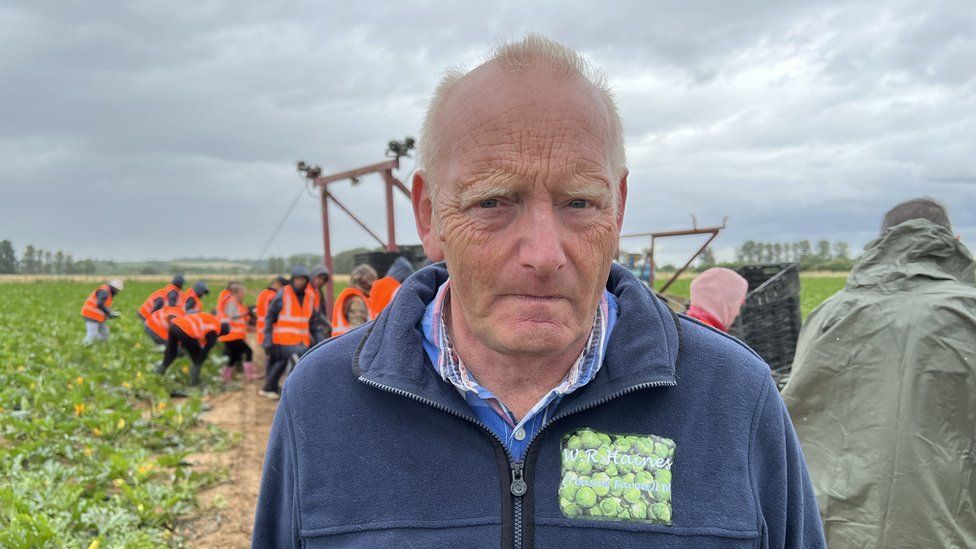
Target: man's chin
[534,338]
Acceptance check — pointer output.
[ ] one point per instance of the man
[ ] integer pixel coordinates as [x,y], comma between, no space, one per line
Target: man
[323,328]
[352,306]
[157,325]
[97,309]
[170,295]
[193,298]
[530,393]
[717,296]
[385,289]
[231,309]
[287,328]
[195,333]
[883,390]
[261,306]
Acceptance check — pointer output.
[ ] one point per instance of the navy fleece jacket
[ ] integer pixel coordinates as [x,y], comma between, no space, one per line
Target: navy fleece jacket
[370,448]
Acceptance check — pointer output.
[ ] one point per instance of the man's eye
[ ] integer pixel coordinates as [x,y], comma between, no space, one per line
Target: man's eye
[489,203]
[578,203]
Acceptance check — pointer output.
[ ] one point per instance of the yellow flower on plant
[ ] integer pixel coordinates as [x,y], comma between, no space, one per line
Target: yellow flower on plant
[186,369]
[21,368]
[120,424]
[95,544]
[118,482]
[138,375]
[33,386]
[161,406]
[79,408]
[88,451]
[126,384]
[97,432]
[79,380]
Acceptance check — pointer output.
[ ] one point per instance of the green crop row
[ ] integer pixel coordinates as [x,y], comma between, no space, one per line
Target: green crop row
[94,452]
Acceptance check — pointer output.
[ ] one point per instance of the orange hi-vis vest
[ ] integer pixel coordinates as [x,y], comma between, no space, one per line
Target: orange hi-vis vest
[90,309]
[292,325]
[159,320]
[382,294]
[261,310]
[238,326]
[198,325]
[340,324]
[186,298]
[161,293]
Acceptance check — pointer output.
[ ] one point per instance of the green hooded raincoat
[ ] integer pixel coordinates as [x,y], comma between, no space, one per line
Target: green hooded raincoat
[883,395]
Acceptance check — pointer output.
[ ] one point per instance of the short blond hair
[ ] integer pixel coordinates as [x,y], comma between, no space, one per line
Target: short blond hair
[533,51]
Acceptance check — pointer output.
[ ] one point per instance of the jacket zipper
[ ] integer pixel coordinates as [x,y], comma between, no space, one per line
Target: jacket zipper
[519,486]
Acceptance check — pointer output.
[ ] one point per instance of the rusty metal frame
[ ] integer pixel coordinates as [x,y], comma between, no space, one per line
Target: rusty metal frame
[390,181]
[695,230]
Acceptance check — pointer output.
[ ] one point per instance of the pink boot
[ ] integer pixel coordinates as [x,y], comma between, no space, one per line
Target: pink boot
[228,374]
[249,371]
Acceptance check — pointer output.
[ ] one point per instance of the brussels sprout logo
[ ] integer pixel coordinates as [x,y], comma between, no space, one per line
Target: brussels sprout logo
[616,477]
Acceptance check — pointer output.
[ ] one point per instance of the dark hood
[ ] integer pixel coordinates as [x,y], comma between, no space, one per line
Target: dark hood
[911,253]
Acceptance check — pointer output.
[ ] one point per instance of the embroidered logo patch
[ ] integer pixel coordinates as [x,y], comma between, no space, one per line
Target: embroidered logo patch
[617,477]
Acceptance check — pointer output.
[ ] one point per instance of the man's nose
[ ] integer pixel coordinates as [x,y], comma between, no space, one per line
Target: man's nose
[541,240]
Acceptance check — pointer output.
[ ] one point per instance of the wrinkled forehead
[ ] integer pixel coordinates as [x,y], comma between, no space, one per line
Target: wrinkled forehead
[530,124]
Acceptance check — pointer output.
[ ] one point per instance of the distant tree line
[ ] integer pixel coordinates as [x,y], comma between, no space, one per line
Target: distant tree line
[39,261]
[342,262]
[822,256]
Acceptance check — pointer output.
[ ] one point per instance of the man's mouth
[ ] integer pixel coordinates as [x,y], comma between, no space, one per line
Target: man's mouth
[537,298]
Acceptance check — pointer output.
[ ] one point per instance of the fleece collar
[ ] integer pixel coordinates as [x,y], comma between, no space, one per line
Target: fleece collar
[642,351]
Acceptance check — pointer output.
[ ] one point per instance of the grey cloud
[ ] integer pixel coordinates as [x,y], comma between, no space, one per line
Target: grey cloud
[797,119]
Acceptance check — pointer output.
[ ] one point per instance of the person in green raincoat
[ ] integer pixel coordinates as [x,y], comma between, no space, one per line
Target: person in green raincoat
[883,390]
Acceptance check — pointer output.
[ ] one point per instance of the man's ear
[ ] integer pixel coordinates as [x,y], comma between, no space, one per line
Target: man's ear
[423,214]
[622,201]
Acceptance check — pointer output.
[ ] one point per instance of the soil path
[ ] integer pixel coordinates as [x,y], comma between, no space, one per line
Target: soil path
[229,507]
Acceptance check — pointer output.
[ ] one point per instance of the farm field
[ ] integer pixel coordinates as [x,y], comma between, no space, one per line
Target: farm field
[94,452]
[814,288]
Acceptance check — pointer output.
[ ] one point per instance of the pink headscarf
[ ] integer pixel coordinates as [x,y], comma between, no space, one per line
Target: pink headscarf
[720,292]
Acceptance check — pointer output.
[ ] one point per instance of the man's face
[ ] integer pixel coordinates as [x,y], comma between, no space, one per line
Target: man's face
[276,285]
[524,210]
[318,281]
[299,282]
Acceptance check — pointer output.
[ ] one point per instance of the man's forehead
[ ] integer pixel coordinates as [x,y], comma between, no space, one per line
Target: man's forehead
[491,103]
[507,171]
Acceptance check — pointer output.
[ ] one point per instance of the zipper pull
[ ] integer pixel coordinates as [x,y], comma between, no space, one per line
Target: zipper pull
[518,484]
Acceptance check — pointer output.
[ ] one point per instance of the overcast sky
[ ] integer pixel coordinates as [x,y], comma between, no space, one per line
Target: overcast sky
[136,130]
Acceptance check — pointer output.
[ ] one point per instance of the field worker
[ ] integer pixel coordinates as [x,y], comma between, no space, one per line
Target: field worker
[157,325]
[883,390]
[529,392]
[288,327]
[97,309]
[170,295]
[384,289]
[352,306]
[323,326]
[230,308]
[195,333]
[717,296]
[261,306]
[193,298]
